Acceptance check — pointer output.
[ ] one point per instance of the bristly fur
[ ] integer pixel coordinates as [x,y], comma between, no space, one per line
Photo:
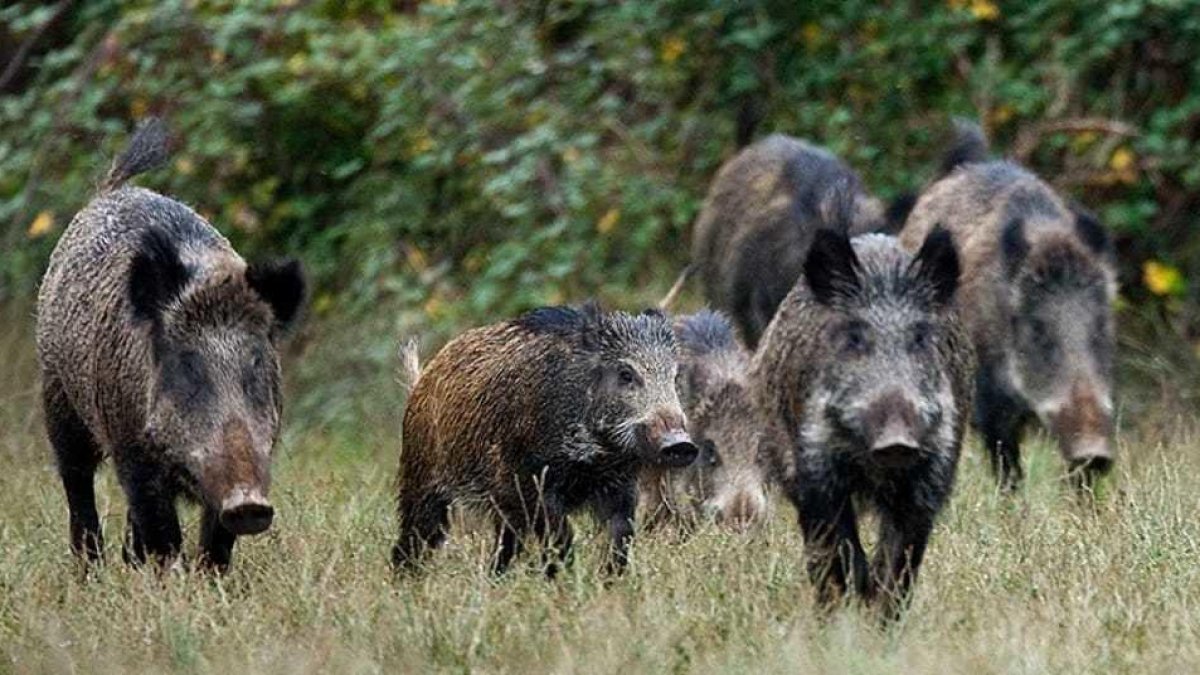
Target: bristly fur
[705,331]
[410,364]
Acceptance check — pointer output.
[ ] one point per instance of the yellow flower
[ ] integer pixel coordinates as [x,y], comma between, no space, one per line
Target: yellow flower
[323,303]
[811,35]
[138,108]
[1001,114]
[608,221]
[416,259]
[433,307]
[43,223]
[985,10]
[421,143]
[1161,278]
[298,63]
[571,155]
[672,48]
[1122,159]
[185,166]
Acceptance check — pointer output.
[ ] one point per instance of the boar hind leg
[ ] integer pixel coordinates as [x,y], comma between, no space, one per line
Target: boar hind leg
[423,522]
[153,522]
[216,542]
[1000,416]
[508,544]
[77,457]
[836,558]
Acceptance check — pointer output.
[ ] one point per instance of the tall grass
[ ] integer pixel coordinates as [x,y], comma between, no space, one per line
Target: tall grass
[1039,582]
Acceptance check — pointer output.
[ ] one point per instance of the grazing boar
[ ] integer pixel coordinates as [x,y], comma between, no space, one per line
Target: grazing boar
[534,418]
[1039,280]
[726,483]
[866,370]
[759,218]
[158,347]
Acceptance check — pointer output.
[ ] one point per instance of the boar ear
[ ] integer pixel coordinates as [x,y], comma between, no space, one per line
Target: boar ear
[156,275]
[831,269]
[281,284]
[1013,246]
[937,265]
[1091,231]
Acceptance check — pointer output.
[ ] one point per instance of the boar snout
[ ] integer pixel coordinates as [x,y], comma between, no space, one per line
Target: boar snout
[740,510]
[892,430]
[1082,426]
[677,449]
[246,511]
[667,437]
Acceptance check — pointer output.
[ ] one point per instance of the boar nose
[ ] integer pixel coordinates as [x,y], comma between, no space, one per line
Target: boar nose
[246,511]
[894,441]
[677,449]
[1093,455]
[666,436]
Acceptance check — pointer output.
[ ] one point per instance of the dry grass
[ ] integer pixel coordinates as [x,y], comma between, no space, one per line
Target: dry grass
[1036,583]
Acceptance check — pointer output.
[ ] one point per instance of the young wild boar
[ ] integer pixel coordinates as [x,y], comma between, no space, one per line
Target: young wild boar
[726,483]
[866,369]
[534,418]
[1038,285]
[157,345]
[758,221]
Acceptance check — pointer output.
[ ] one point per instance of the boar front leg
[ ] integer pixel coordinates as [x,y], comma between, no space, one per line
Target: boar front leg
[835,553]
[999,416]
[617,507]
[903,534]
[153,522]
[216,542]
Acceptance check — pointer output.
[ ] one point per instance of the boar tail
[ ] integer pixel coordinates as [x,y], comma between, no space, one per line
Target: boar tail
[676,288]
[410,364]
[147,150]
[970,145]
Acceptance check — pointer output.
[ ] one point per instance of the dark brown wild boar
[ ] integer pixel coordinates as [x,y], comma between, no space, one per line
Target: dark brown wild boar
[157,345]
[866,370]
[535,418]
[1038,284]
[726,483]
[758,220]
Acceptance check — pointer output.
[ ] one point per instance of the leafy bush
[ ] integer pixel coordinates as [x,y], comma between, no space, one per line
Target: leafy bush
[476,157]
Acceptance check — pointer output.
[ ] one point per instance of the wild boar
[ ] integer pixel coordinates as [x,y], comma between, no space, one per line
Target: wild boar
[866,370]
[158,347]
[726,483]
[1039,281]
[535,418]
[758,220]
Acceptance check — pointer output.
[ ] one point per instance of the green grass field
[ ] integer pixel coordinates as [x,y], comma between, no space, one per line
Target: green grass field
[1039,582]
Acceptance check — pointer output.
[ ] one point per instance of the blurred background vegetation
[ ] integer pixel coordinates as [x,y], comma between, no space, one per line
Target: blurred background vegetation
[459,160]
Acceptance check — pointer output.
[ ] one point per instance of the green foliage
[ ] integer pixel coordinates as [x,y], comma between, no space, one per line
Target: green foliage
[474,158]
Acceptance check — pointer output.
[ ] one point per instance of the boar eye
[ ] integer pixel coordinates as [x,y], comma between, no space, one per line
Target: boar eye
[627,377]
[921,336]
[854,339]
[709,456]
